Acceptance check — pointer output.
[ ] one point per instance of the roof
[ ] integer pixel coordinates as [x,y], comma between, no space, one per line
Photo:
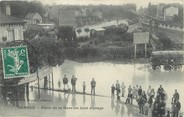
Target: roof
[30,15]
[35,27]
[169,6]
[107,24]
[168,53]
[7,19]
[98,29]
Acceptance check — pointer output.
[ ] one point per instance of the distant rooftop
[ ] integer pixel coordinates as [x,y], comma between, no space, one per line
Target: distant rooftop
[30,15]
[7,19]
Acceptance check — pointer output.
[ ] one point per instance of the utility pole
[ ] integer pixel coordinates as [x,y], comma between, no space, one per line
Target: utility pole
[38,83]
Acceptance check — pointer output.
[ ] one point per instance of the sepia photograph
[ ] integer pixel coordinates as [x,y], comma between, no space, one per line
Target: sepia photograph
[91,58]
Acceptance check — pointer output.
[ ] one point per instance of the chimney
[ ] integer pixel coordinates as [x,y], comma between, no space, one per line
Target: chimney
[7,9]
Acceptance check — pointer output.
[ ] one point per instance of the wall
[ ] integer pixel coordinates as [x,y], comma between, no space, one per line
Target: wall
[12,32]
[170,11]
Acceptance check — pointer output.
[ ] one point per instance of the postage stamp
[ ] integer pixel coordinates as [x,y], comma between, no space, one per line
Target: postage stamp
[15,62]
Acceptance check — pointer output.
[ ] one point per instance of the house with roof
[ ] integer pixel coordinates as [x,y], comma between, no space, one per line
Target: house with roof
[170,12]
[33,18]
[11,28]
[167,12]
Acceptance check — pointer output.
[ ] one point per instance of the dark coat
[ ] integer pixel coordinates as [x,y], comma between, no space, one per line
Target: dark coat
[139,91]
[161,107]
[176,95]
[113,89]
[73,81]
[65,80]
[177,106]
[145,97]
[93,83]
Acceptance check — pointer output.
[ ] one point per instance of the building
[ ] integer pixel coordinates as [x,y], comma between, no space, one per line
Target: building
[159,12]
[11,28]
[33,18]
[170,12]
[97,32]
[167,12]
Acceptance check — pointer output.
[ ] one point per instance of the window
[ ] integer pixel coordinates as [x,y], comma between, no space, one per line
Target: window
[5,35]
[16,35]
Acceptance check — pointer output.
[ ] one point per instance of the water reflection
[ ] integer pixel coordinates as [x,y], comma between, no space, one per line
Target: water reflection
[122,110]
[112,104]
[93,101]
[117,107]
[73,102]
[84,100]
[66,97]
[128,109]
[59,97]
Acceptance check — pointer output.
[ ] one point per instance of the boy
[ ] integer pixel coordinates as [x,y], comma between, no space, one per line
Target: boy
[112,90]
[84,87]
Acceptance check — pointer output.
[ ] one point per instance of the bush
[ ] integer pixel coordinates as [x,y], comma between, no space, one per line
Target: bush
[86,30]
[166,41]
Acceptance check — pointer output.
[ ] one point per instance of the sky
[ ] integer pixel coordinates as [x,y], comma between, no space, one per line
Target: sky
[139,3]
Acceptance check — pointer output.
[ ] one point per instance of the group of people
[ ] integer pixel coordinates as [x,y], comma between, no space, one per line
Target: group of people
[73,83]
[149,99]
[145,100]
[160,105]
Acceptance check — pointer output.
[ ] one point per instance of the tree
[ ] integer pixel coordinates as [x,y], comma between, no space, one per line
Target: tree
[166,41]
[79,30]
[42,51]
[22,8]
[152,9]
[50,52]
[66,33]
[34,30]
[86,30]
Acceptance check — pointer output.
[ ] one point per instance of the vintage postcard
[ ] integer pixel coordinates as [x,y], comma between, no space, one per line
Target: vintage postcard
[91,58]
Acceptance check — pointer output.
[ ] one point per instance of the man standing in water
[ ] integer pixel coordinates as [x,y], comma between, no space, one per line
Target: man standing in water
[112,90]
[84,87]
[117,87]
[175,96]
[93,85]
[176,108]
[123,89]
[65,81]
[73,82]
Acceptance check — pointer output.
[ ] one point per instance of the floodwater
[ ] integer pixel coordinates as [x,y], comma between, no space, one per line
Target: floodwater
[106,74]
[59,104]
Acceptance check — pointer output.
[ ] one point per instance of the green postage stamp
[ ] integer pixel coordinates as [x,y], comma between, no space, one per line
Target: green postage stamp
[15,62]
